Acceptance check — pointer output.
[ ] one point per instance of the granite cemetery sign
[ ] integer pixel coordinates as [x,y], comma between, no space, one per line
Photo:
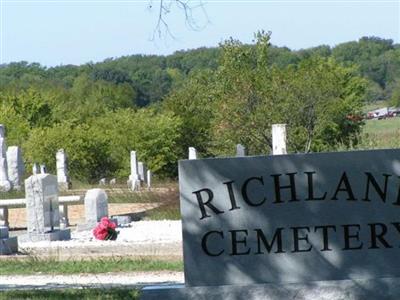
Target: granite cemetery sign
[291,218]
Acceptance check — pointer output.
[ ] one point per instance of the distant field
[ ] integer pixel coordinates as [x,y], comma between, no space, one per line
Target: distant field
[381,134]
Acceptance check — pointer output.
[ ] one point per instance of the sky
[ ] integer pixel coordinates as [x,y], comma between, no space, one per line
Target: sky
[60,32]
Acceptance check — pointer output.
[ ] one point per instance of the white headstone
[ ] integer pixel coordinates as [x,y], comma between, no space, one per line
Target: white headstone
[96,205]
[103,181]
[113,181]
[62,170]
[279,139]
[240,150]
[148,179]
[43,169]
[192,153]
[134,181]
[3,147]
[41,193]
[35,169]
[142,171]
[15,166]
[5,184]
[2,131]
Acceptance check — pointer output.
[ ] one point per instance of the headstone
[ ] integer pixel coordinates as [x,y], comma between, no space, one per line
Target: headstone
[103,181]
[192,153]
[133,180]
[96,207]
[297,223]
[8,245]
[279,139]
[5,184]
[148,176]
[16,167]
[113,181]
[43,169]
[142,169]
[43,217]
[4,216]
[35,169]
[63,180]
[240,150]
[2,131]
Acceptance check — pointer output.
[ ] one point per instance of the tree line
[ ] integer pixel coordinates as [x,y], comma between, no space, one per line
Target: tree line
[208,98]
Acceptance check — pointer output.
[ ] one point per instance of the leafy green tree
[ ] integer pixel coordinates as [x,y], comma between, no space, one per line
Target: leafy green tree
[318,99]
[153,135]
[88,150]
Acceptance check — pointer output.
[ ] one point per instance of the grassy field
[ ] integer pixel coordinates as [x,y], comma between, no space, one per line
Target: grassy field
[72,294]
[34,265]
[381,134]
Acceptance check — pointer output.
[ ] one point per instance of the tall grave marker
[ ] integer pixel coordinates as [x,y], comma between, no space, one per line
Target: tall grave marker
[5,184]
[43,217]
[63,180]
[15,166]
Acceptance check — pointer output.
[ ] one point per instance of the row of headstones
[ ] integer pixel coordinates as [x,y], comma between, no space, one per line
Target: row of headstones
[12,166]
[140,175]
[43,215]
[278,143]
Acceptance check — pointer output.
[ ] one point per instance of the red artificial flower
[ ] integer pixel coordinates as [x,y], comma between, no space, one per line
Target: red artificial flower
[105,230]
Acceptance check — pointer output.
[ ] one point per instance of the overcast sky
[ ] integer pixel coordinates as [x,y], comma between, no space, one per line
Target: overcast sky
[54,32]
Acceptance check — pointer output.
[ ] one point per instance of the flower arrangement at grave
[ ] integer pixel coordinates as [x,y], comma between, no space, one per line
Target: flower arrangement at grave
[105,230]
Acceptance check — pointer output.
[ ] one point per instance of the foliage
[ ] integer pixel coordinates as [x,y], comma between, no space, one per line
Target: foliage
[73,294]
[318,99]
[208,98]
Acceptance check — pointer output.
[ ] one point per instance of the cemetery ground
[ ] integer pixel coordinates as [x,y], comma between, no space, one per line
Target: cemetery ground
[99,269]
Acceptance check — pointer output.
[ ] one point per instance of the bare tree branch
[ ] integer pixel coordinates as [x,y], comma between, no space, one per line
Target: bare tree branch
[191,10]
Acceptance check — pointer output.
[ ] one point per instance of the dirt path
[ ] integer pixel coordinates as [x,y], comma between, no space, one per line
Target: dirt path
[107,280]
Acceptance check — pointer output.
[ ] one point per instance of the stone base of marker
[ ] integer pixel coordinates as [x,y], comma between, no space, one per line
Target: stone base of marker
[355,289]
[134,185]
[86,226]
[8,245]
[122,220]
[56,235]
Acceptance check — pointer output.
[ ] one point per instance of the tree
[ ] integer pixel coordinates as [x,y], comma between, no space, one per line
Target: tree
[318,99]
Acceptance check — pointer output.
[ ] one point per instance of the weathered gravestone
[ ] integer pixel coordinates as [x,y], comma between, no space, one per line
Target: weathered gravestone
[63,180]
[240,150]
[8,245]
[35,169]
[96,207]
[5,184]
[16,167]
[43,169]
[133,180]
[306,226]
[192,153]
[142,170]
[43,217]
[279,139]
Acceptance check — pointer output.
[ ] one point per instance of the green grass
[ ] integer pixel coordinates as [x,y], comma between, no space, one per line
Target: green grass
[375,105]
[71,294]
[169,210]
[34,265]
[381,134]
